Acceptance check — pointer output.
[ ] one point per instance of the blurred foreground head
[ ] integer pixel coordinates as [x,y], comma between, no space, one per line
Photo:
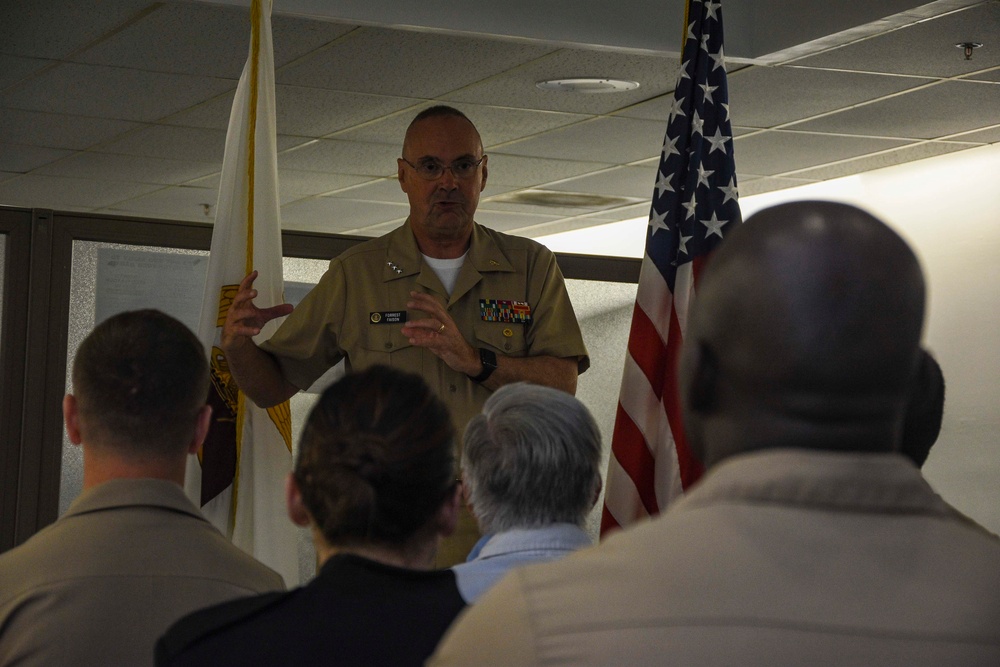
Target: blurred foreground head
[376,460]
[805,333]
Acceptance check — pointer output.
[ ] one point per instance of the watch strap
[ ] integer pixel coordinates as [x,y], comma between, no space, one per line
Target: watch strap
[489,361]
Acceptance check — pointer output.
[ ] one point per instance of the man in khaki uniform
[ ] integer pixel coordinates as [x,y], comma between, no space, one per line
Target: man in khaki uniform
[131,555]
[467,308]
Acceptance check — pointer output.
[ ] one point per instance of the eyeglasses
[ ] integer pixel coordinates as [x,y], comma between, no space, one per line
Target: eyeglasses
[431,170]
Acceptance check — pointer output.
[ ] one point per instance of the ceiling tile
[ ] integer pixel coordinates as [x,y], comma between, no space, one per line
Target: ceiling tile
[56,28]
[509,222]
[37,128]
[775,151]
[129,168]
[68,194]
[21,158]
[804,93]
[770,184]
[207,40]
[516,88]
[301,183]
[496,125]
[342,157]
[14,68]
[618,182]
[314,112]
[525,172]
[381,190]
[212,113]
[610,139]
[338,216]
[988,136]
[294,185]
[406,63]
[888,159]
[926,48]
[182,203]
[112,92]
[936,111]
[530,210]
[989,75]
[165,141]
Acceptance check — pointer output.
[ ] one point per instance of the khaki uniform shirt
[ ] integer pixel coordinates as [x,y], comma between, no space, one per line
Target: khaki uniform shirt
[356,312]
[101,584]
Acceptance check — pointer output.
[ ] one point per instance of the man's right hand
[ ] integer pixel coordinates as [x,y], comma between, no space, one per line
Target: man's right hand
[244,320]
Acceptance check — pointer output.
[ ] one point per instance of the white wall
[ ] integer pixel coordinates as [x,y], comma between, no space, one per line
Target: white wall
[948,208]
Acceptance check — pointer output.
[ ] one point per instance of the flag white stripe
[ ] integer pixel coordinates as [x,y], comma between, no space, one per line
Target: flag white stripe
[621,498]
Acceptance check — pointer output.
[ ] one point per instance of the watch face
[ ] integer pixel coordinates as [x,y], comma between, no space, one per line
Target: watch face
[488,358]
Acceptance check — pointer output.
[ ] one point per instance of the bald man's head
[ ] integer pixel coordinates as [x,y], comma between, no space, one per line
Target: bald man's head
[806,325]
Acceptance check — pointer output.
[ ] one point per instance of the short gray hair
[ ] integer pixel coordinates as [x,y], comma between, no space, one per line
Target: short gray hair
[532,458]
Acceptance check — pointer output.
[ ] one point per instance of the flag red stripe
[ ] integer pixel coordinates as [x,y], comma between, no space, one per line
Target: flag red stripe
[632,453]
[646,347]
[608,522]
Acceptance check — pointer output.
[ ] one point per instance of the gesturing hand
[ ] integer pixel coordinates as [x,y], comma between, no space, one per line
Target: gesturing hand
[244,320]
[440,335]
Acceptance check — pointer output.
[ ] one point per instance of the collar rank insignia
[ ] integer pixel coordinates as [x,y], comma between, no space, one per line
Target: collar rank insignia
[388,317]
[394,267]
[495,310]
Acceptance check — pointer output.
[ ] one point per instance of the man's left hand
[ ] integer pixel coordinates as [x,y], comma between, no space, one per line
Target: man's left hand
[439,334]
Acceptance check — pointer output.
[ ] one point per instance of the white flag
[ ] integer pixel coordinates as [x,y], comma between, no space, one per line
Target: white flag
[239,477]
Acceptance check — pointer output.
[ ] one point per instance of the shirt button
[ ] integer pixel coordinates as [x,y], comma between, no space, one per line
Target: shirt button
[452,388]
[506,346]
[388,346]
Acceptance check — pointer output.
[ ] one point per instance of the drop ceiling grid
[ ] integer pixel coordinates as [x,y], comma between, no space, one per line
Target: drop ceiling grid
[927,113]
[516,88]
[40,128]
[112,92]
[752,101]
[407,64]
[926,48]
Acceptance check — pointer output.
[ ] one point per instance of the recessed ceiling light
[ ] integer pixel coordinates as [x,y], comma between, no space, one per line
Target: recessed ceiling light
[588,85]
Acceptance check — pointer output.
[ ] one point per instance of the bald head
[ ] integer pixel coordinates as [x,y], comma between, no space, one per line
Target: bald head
[806,329]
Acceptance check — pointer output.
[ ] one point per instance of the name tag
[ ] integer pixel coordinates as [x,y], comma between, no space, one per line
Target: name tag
[388,317]
[496,310]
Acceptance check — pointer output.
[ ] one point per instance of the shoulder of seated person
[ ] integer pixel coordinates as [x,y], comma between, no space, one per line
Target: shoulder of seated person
[204,623]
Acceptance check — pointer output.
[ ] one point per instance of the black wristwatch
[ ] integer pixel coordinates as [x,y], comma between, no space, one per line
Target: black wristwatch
[489,361]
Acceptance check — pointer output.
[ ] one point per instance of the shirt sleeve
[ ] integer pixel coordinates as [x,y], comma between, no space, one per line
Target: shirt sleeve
[309,341]
[554,329]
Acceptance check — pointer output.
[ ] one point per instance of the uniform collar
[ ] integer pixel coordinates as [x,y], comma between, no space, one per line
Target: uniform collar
[132,493]
[403,259]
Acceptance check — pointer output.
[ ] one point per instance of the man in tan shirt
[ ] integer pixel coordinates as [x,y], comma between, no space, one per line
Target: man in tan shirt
[810,540]
[132,554]
[465,307]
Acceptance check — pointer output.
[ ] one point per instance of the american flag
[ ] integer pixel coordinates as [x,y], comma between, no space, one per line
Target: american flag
[694,205]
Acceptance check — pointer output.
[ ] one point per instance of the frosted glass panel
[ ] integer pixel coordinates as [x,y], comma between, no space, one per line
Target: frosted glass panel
[108,278]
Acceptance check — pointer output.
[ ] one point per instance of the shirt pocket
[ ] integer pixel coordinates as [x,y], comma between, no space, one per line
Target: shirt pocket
[382,344]
[506,338]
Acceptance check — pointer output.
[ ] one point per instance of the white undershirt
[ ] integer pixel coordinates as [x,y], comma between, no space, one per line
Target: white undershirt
[446,269]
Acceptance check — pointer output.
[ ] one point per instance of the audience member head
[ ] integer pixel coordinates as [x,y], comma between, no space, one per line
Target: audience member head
[805,333]
[531,458]
[376,468]
[140,382]
[924,411]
